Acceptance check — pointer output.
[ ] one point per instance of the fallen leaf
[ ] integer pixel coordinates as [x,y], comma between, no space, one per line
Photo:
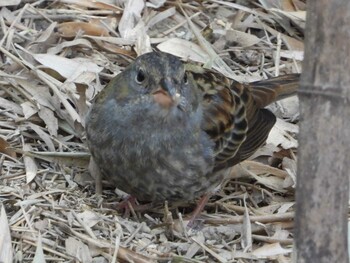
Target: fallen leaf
[290,166]
[29,109]
[5,148]
[29,163]
[155,3]
[6,252]
[9,2]
[247,240]
[68,68]
[79,159]
[280,135]
[243,39]
[184,49]
[89,218]
[194,247]
[48,116]
[10,106]
[43,135]
[131,16]
[270,250]
[71,29]
[76,42]
[260,168]
[93,4]
[271,182]
[44,36]
[40,94]
[39,253]
[78,250]
[285,207]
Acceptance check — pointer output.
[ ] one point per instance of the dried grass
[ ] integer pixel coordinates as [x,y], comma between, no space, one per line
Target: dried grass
[55,57]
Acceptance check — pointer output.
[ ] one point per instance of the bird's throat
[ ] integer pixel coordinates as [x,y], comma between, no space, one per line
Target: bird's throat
[162,98]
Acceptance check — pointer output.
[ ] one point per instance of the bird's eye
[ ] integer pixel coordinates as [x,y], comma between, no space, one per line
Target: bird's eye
[140,77]
[185,79]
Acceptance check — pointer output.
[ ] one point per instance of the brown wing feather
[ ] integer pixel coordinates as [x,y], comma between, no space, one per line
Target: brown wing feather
[233,113]
[224,112]
[270,90]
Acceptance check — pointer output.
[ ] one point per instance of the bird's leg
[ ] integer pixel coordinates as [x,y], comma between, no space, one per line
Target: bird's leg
[95,172]
[199,208]
[129,205]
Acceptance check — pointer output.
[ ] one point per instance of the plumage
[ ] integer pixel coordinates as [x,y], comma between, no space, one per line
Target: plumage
[162,130]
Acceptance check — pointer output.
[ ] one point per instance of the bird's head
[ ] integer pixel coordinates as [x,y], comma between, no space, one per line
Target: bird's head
[155,83]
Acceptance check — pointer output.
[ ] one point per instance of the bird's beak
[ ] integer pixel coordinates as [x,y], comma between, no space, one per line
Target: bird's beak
[166,95]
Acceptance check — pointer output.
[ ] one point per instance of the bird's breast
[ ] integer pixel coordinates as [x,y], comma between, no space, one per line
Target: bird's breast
[157,164]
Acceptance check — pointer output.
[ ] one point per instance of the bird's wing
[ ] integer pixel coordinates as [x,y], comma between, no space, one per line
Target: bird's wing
[234,116]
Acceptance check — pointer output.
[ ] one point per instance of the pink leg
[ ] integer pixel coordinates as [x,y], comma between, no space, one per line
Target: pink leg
[129,205]
[199,208]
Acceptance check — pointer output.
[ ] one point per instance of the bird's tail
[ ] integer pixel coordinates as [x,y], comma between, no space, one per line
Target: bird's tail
[270,90]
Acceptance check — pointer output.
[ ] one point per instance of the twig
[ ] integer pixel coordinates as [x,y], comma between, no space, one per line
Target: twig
[262,219]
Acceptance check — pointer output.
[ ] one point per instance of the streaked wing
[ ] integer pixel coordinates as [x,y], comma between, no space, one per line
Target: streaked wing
[233,113]
[270,90]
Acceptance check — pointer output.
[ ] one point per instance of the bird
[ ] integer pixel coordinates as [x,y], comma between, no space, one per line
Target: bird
[168,130]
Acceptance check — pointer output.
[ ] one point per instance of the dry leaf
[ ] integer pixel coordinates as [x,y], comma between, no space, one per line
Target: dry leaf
[299,4]
[29,163]
[29,109]
[267,210]
[10,106]
[155,3]
[143,42]
[76,42]
[92,4]
[43,135]
[161,16]
[40,94]
[46,34]
[184,49]
[194,247]
[270,250]
[286,109]
[280,135]
[78,250]
[71,29]
[39,253]
[285,207]
[267,4]
[69,68]
[271,182]
[292,54]
[6,253]
[243,39]
[290,166]
[5,148]
[287,5]
[113,48]
[260,168]
[131,16]
[9,2]
[50,120]
[246,241]
[295,16]
[79,159]
[89,218]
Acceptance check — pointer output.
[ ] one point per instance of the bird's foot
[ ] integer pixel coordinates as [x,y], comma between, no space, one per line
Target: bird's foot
[193,223]
[130,205]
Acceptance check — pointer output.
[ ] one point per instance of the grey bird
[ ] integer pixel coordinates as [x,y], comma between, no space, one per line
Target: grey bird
[167,130]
